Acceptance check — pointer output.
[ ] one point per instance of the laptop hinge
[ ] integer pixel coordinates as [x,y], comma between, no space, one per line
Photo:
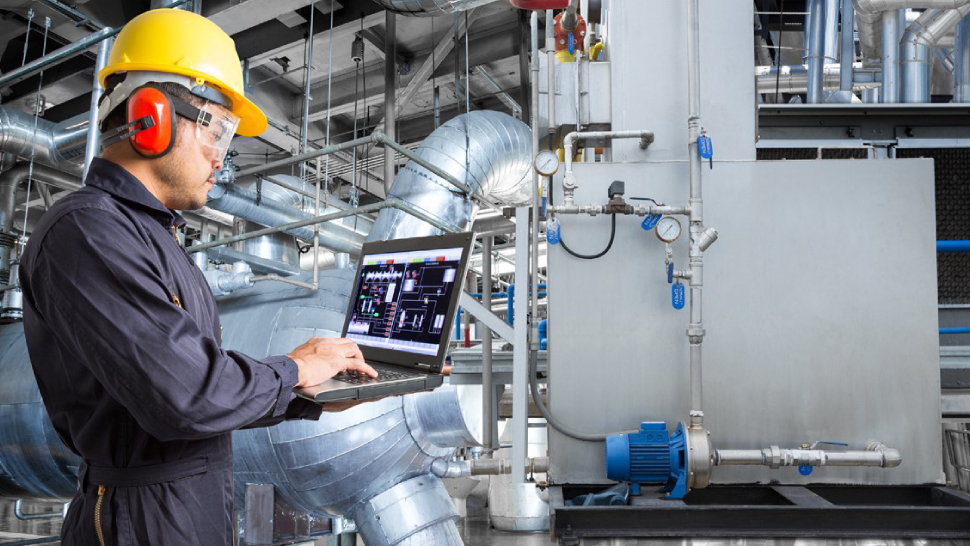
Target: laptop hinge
[422,366]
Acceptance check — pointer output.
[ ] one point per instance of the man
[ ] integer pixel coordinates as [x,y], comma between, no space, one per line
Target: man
[123,333]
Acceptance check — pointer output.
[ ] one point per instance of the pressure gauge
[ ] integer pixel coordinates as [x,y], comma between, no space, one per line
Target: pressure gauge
[547,163]
[668,229]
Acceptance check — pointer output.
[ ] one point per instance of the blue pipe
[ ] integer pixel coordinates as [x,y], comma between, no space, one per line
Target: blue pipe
[954,330]
[458,324]
[511,313]
[953,246]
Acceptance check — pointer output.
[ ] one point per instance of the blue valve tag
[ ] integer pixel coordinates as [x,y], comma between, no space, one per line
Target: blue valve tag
[552,231]
[804,469]
[706,148]
[650,221]
[542,207]
[572,44]
[677,295]
[670,273]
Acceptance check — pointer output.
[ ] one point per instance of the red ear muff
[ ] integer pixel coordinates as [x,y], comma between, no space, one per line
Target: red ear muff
[152,102]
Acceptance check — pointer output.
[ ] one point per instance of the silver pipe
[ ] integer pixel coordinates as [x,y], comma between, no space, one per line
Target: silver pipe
[78,17]
[488,389]
[869,14]
[847,50]
[569,180]
[241,202]
[93,147]
[550,72]
[915,48]
[54,145]
[498,167]
[305,120]
[794,78]
[814,57]
[695,330]
[830,31]
[56,57]
[890,56]
[316,231]
[569,21]
[961,54]
[390,94]
[484,467]
[430,8]
[875,455]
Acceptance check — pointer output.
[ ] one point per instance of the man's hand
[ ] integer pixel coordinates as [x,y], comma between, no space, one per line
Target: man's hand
[320,359]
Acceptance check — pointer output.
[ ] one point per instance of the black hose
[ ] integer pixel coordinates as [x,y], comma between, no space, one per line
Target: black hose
[597,255]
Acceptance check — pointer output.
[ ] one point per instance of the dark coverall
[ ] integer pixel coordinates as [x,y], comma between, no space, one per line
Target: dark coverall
[125,341]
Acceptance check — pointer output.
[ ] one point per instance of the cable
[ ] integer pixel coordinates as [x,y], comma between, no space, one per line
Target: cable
[781,34]
[609,245]
[552,420]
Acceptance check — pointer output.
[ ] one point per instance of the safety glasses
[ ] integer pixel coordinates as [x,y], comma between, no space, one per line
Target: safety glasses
[214,130]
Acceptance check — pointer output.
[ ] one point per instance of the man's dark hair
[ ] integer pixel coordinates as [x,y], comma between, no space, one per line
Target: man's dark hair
[119,116]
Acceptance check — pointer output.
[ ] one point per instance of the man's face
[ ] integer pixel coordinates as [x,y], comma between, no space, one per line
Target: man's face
[188,170]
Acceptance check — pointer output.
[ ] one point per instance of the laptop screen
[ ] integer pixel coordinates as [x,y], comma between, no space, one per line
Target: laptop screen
[401,299]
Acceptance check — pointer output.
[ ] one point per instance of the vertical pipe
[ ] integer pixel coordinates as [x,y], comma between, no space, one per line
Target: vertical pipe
[550,71]
[961,54]
[305,121]
[390,94]
[93,147]
[488,389]
[437,107]
[815,58]
[890,55]
[830,31]
[848,46]
[525,92]
[695,331]
[316,229]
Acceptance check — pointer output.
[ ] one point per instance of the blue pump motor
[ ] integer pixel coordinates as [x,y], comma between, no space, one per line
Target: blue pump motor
[650,456]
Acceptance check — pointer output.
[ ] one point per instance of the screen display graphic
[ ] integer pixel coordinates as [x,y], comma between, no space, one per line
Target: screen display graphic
[401,299]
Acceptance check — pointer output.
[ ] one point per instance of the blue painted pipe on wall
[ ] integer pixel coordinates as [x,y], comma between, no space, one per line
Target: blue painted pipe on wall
[955,330]
[953,246]
[510,315]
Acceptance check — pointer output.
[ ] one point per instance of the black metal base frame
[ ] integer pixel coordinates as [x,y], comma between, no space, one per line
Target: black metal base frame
[777,511]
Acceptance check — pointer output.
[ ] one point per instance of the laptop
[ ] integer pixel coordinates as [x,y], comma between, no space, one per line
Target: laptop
[400,314]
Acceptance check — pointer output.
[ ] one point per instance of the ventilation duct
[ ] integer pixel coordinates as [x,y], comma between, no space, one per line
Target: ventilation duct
[56,145]
[430,8]
[370,463]
[869,19]
[917,45]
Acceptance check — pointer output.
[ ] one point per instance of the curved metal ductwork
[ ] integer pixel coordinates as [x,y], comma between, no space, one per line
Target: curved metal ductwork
[56,145]
[869,19]
[370,463]
[246,204]
[916,47]
[430,8]
[498,165]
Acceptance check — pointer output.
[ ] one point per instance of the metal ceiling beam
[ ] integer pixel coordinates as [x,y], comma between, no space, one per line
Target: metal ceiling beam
[249,13]
[344,33]
[503,96]
[402,57]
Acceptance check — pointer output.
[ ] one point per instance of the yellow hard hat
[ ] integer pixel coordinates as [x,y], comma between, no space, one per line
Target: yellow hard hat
[182,42]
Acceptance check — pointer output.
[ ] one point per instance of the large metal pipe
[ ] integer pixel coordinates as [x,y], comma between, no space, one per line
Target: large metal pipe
[847,50]
[876,454]
[961,54]
[917,45]
[242,202]
[307,74]
[891,21]
[488,389]
[93,147]
[55,145]
[497,151]
[815,56]
[794,78]
[390,95]
[869,14]
[430,8]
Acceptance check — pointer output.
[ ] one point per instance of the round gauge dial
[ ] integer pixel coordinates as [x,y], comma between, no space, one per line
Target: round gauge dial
[546,163]
[668,229]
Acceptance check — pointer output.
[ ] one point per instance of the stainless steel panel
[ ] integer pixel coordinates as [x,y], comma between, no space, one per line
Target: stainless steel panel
[649,41]
[820,310]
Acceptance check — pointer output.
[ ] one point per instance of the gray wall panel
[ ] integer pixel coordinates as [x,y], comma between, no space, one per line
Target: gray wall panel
[819,303]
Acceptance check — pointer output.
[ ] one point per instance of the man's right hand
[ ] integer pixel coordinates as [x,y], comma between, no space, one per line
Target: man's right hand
[322,358]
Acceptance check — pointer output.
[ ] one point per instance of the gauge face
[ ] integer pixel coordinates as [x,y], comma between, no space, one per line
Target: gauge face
[668,229]
[546,163]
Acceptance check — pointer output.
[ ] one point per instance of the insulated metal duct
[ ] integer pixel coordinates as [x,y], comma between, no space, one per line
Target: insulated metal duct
[916,46]
[430,8]
[869,18]
[961,55]
[491,152]
[371,463]
[53,144]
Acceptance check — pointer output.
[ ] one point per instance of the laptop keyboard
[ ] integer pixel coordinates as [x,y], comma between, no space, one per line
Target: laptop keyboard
[382,375]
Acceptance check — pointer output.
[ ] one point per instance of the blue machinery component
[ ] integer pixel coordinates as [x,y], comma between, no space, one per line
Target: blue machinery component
[953,246]
[650,456]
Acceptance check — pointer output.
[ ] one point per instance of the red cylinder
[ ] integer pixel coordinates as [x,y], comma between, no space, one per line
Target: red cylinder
[539,4]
